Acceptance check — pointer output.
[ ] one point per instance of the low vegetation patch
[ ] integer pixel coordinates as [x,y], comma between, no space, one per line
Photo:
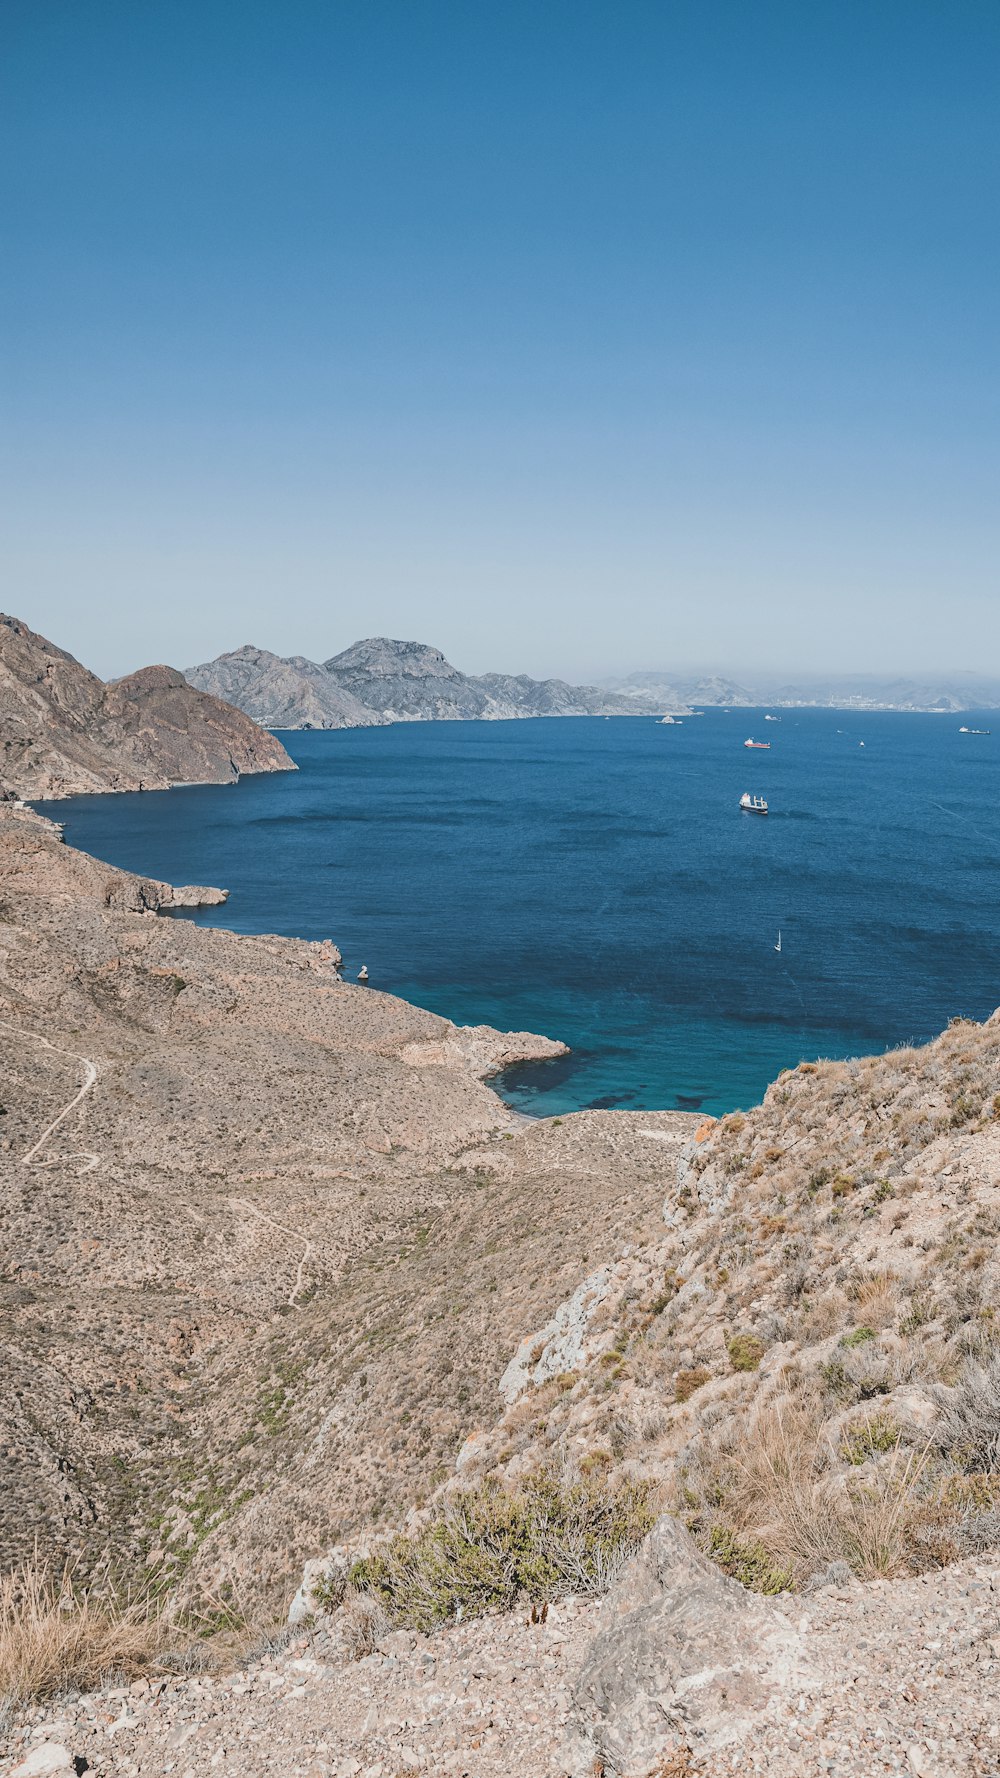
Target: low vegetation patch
[747,1561]
[686,1382]
[54,1635]
[491,1547]
[872,1438]
[745,1352]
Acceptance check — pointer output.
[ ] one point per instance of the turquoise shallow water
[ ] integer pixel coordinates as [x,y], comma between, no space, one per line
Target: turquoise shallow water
[595,880]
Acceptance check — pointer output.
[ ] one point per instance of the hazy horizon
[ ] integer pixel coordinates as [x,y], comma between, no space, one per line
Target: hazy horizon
[764,678]
[567,338]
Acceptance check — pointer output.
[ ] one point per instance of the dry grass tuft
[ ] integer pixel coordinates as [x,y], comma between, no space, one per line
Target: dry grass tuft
[877,1519]
[55,1637]
[774,1488]
[365,1622]
[878,1298]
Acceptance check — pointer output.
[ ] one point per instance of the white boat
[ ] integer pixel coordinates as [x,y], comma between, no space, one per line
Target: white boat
[973,731]
[772,719]
[753,805]
[674,721]
[363,973]
[778,945]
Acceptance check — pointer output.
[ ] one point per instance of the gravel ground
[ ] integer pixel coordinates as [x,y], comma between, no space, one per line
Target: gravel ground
[910,1679]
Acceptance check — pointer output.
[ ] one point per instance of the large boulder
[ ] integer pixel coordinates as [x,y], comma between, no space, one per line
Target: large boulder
[684,1656]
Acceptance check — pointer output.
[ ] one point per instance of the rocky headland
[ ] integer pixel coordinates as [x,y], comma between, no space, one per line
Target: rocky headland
[64,731]
[381,680]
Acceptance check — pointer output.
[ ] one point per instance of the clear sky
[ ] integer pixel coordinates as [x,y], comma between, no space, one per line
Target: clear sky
[570,337]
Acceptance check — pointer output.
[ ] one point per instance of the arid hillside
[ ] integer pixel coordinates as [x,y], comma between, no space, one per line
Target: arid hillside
[63,730]
[284,1282]
[258,1283]
[806,1361]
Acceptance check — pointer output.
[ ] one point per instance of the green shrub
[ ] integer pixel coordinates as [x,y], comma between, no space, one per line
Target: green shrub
[745,1351]
[490,1547]
[747,1561]
[870,1439]
[860,1337]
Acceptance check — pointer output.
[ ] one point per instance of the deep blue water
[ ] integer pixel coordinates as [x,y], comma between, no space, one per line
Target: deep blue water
[596,881]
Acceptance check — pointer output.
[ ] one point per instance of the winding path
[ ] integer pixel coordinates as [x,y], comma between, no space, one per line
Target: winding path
[296,1234]
[30,1159]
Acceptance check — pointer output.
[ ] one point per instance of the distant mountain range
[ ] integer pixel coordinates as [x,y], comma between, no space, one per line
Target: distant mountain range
[381,680]
[63,731]
[962,691]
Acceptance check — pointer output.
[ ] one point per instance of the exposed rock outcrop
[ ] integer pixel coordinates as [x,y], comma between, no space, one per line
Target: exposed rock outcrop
[64,731]
[684,1657]
[381,680]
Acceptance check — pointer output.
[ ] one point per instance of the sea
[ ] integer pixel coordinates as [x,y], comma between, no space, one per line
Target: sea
[595,880]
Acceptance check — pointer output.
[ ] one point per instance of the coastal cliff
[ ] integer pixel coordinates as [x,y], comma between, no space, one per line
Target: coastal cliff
[64,731]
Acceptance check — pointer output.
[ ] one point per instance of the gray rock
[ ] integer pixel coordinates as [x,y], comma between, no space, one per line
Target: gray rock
[50,1757]
[328,1572]
[683,1654]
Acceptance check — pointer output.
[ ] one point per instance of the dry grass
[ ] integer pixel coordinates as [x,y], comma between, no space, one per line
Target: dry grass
[877,1519]
[365,1622]
[773,1487]
[969,1425]
[877,1298]
[54,1637]
[778,1483]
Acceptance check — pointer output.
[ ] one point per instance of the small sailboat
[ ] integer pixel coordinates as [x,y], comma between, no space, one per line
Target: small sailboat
[778,945]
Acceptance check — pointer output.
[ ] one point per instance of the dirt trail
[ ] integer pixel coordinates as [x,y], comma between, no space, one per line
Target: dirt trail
[295,1234]
[30,1159]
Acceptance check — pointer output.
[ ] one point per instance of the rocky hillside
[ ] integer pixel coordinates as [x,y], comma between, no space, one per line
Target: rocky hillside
[63,730]
[802,1373]
[819,1319]
[282,1279]
[380,681]
[258,1284]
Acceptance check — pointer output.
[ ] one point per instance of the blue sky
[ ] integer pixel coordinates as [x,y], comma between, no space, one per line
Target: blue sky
[570,337]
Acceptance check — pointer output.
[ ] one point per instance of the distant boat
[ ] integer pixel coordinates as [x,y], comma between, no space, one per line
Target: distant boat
[363,973]
[764,745]
[674,721]
[778,945]
[772,719]
[973,731]
[753,805]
